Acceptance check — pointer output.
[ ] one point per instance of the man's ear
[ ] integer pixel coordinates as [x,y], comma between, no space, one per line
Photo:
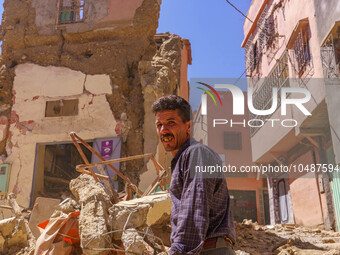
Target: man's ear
[189,125]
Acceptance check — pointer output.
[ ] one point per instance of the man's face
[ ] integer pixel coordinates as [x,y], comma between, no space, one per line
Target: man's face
[171,129]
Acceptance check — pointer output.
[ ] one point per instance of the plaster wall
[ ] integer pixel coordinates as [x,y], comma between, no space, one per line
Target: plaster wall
[288,17]
[287,20]
[97,14]
[214,138]
[216,134]
[333,95]
[277,135]
[33,86]
[327,12]
[305,197]
[185,61]
[252,13]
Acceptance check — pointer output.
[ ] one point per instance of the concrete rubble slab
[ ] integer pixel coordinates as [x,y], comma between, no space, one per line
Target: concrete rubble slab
[139,213]
[12,234]
[42,211]
[94,203]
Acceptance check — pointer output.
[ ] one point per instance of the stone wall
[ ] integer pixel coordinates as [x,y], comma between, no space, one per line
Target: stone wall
[44,61]
[112,63]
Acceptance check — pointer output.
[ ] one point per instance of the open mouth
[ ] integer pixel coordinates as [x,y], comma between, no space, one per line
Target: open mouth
[167,138]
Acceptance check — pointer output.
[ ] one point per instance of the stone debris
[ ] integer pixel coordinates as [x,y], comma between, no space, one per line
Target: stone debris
[93,216]
[102,225]
[153,210]
[134,243]
[42,211]
[13,235]
[284,239]
[142,226]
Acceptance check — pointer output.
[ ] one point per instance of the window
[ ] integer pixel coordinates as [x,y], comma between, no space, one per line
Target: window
[61,108]
[71,11]
[301,50]
[256,56]
[252,57]
[330,53]
[232,140]
[271,28]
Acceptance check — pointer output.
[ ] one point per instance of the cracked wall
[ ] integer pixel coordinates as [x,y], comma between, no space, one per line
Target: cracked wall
[105,49]
[33,86]
[165,74]
[112,63]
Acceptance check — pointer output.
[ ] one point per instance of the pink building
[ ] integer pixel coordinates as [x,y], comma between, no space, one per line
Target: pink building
[292,44]
[232,142]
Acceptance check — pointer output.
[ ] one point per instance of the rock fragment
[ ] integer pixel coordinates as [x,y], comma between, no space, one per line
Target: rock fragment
[93,216]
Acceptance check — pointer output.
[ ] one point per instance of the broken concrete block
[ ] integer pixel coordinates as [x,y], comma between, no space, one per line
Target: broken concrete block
[134,243]
[7,226]
[42,210]
[85,188]
[142,212]
[19,238]
[2,243]
[14,233]
[159,212]
[93,215]
[67,206]
[92,227]
[163,233]
[127,216]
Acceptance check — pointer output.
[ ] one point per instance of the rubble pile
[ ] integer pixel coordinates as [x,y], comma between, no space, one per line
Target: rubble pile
[284,239]
[13,235]
[138,226]
[92,224]
[142,224]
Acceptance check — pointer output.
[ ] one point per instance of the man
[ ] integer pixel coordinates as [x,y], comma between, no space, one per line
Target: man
[201,219]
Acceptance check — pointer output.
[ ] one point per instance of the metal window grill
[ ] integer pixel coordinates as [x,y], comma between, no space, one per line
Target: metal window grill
[262,29]
[262,98]
[71,11]
[248,53]
[255,47]
[273,41]
[301,50]
[330,57]
[271,28]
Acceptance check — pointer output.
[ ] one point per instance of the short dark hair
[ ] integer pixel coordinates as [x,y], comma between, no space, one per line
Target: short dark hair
[173,102]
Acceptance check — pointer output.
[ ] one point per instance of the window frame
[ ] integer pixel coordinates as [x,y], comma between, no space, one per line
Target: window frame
[71,14]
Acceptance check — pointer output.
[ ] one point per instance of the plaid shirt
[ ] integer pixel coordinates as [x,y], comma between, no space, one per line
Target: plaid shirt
[200,206]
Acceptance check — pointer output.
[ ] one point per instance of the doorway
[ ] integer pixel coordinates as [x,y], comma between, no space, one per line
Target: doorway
[55,168]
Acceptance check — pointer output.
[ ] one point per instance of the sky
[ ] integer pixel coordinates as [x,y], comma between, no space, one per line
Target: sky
[215,30]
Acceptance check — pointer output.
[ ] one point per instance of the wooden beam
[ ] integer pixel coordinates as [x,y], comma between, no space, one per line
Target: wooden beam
[312,141]
[311,132]
[56,180]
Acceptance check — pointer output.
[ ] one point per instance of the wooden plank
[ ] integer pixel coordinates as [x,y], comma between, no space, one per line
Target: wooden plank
[138,191]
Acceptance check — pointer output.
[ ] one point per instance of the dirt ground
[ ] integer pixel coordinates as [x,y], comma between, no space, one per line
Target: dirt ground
[285,239]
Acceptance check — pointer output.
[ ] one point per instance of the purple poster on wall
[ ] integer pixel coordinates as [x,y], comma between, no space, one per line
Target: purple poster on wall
[106,149]
[109,148]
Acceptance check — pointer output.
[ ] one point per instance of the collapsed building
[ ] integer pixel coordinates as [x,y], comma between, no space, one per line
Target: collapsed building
[93,67]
